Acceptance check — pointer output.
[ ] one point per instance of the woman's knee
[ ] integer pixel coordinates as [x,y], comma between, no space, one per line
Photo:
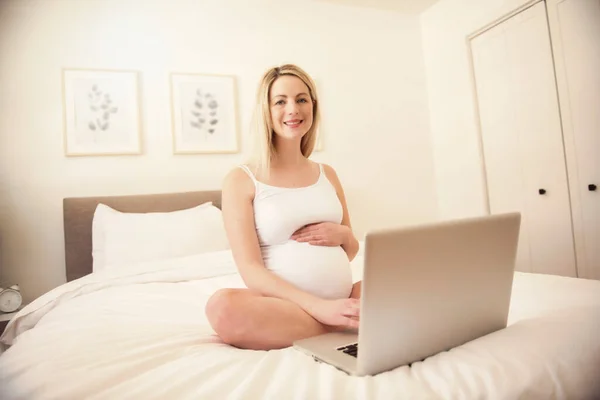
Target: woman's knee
[223,312]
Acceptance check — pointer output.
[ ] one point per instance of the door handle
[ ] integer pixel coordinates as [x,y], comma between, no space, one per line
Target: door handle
[592,187]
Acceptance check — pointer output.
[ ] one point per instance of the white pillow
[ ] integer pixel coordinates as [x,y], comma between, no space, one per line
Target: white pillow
[119,237]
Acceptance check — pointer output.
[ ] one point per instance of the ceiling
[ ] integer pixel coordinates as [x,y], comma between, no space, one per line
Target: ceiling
[403,6]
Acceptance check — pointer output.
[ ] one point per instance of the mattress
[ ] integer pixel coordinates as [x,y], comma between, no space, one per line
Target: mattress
[140,332]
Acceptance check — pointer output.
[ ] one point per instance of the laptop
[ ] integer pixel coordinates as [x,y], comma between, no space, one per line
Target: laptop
[425,290]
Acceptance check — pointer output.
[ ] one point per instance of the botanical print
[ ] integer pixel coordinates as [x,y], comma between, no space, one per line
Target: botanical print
[100,105]
[101,112]
[204,114]
[204,111]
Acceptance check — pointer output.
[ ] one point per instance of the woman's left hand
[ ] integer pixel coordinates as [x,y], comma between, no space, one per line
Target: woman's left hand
[322,234]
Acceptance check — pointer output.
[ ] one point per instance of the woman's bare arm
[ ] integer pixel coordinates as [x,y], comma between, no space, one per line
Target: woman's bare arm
[351,244]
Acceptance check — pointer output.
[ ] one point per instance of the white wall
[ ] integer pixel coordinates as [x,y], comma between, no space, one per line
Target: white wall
[368,65]
[454,131]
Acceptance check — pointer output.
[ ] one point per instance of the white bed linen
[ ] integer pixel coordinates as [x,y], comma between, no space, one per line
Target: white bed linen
[141,333]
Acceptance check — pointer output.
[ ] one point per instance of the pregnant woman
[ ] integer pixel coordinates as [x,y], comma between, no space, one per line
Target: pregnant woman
[288,227]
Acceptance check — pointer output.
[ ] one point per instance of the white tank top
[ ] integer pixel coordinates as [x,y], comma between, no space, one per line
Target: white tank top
[278,212]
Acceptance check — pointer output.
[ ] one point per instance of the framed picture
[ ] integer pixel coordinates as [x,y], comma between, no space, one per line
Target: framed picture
[204,113]
[101,112]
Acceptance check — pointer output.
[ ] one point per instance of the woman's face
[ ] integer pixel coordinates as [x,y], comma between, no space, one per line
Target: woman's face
[291,107]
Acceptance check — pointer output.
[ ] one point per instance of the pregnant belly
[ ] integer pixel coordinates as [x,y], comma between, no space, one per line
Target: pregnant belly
[321,270]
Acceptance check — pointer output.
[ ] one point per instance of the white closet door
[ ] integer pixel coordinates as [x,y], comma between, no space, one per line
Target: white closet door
[575,26]
[503,153]
[522,138]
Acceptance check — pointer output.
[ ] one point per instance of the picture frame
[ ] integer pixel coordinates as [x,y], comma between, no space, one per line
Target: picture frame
[101,112]
[204,113]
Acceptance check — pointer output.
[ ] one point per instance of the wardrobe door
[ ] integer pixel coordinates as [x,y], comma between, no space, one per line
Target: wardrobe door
[502,152]
[575,28]
[522,139]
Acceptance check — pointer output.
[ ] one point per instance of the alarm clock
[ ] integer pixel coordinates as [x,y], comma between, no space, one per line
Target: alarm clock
[10,299]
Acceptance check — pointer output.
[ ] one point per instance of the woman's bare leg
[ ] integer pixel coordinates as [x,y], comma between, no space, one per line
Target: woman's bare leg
[248,320]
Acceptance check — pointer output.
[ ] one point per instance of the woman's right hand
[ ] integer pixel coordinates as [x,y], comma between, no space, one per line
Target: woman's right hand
[338,313]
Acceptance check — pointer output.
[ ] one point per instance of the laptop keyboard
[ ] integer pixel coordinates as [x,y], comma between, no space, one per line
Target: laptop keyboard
[351,349]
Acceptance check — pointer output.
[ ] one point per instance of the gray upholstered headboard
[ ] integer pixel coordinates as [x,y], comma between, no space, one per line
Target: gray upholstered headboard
[78,214]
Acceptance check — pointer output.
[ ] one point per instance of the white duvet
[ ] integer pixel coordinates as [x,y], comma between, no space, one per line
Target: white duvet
[141,333]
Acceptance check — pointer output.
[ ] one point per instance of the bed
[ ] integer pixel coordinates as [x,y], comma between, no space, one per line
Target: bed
[139,332]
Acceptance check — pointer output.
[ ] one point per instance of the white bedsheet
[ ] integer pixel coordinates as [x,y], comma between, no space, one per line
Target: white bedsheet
[142,334]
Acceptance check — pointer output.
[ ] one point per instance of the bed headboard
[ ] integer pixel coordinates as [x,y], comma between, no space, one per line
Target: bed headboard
[78,213]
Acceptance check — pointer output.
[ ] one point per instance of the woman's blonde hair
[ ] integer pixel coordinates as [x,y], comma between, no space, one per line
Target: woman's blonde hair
[262,126]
